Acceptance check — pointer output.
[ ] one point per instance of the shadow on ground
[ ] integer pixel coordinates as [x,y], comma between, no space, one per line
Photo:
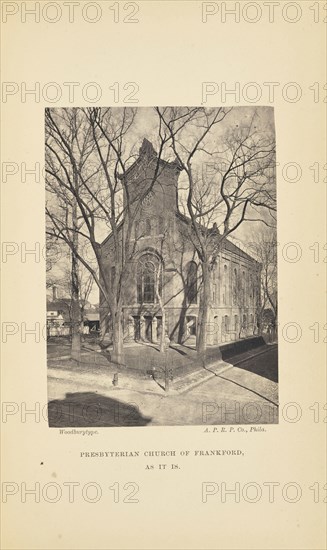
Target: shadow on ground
[90,410]
[263,365]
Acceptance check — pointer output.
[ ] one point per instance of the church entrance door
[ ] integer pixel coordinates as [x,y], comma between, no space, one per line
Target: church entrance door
[148,328]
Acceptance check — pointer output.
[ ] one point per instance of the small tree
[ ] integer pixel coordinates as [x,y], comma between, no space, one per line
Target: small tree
[264,246]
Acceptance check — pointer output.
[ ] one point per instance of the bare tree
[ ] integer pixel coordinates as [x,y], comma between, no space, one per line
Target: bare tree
[88,153]
[264,246]
[239,188]
[62,279]
[53,256]
[68,149]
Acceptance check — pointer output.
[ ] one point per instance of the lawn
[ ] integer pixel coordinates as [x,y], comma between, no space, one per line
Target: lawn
[139,360]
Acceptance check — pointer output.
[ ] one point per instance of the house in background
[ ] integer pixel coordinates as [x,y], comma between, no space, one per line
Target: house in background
[91,322]
[59,316]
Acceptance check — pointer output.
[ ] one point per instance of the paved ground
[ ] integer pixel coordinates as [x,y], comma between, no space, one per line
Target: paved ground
[243,393]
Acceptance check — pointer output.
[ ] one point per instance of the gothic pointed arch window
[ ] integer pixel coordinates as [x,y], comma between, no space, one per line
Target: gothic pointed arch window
[225,324]
[225,285]
[236,323]
[244,322]
[251,289]
[140,229]
[161,225]
[243,287]
[251,321]
[149,278]
[192,283]
[235,289]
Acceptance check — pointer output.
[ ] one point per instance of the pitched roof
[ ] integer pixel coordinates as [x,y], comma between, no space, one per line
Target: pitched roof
[147,151]
[227,243]
[58,305]
[231,247]
[92,316]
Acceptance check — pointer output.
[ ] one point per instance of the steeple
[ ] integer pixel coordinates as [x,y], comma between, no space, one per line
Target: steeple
[147,149]
[158,176]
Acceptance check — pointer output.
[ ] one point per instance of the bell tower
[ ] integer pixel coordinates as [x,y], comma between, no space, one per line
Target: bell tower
[152,183]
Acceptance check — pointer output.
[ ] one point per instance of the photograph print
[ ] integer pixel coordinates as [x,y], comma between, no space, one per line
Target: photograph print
[161,272]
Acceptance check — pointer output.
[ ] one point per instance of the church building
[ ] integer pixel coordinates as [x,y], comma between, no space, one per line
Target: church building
[166,272]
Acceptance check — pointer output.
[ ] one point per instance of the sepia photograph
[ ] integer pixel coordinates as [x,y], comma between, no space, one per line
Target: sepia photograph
[161,268]
[163,265]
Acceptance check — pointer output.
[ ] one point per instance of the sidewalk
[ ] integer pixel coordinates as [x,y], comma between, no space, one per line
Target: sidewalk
[104,380]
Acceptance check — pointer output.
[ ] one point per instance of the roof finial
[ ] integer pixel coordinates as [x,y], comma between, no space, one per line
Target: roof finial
[147,149]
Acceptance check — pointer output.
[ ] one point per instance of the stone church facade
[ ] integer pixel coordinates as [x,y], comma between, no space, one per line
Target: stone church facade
[166,273]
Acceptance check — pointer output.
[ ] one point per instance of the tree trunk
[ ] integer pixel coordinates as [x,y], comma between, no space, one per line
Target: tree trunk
[75,303]
[76,312]
[163,331]
[76,308]
[162,343]
[117,338]
[259,319]
[201,340]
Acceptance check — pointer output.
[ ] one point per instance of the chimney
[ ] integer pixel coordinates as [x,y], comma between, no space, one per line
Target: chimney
[54,293]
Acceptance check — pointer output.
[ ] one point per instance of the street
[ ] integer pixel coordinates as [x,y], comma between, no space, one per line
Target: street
[246,393]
